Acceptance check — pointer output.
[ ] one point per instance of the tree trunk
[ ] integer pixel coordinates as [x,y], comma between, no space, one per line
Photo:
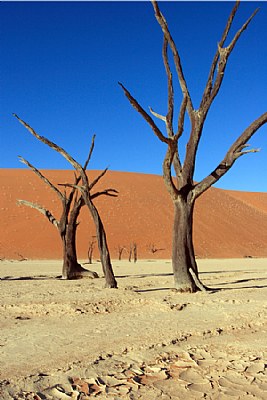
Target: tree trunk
[71,268]
[70,264]
[183,257]
[102,246]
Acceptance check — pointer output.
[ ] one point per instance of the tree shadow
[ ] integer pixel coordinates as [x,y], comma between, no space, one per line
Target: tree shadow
[143,275]
[152,290]
[210,290]
[243,280]
[30,278]
[230,271]
[239,288]
[221,287]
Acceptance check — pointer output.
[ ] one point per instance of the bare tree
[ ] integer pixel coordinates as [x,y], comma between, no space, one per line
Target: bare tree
[91,249]
[133,252]
[153,248]
[130,253]
[21,257]
[66,225]
[182,188]
[87,198]
[120,251]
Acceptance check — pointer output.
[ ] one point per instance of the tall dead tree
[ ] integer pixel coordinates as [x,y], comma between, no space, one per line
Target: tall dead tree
[86,198]
[182,188]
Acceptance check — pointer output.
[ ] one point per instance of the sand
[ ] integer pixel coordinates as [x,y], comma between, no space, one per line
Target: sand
[227,224]
[75,340]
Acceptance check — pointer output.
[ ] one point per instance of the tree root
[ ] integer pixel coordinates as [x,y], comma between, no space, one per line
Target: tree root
[79,272]
[197,282]
[86,273]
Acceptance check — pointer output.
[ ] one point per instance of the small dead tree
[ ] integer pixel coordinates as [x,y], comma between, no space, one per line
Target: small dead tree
[133,252]
[183,190]
[153,248]
[130,253]
[120,251]
[86,198]
[21,257]
[91,250]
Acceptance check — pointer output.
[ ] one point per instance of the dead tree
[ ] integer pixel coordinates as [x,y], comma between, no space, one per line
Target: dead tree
[91,250]
[86,198]
[133,252]
[182,189]
[130,253]
[153,248]
[66,224]
[120,251]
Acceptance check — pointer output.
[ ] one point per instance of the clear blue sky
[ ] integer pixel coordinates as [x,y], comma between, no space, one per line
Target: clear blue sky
[61,63]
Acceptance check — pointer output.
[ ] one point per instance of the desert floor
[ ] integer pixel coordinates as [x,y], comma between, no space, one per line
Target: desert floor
[75,340]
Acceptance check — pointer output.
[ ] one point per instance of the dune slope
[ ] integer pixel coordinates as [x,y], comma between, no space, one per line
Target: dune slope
[226,224]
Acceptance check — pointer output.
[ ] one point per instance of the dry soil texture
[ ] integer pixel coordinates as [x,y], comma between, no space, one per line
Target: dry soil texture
[75,340]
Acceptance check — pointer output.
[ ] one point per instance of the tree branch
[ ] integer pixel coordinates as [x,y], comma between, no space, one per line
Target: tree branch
[144,114]
[72,185]
[42,177]
[42,210]
[210,92]
[159,116]
[224,53]
[197,282]
[209,84]
[78,178]
[90,153]
[235,151]
[192,146]
[181,119]
[59,149]
[220,60]
[183,85]
[97,179]
[106,192]
[167,174]
[176,159]
[241,30]
[169,116]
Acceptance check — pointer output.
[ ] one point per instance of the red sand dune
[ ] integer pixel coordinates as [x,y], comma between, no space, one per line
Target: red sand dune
[227,223]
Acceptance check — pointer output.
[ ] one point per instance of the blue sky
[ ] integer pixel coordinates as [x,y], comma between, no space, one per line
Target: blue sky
[60,67]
